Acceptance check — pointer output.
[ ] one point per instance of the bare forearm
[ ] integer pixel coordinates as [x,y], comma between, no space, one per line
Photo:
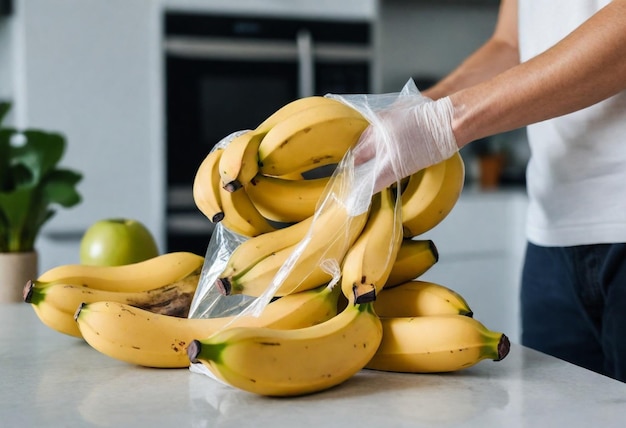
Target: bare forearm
[498,54]
[491,59]
[586,67]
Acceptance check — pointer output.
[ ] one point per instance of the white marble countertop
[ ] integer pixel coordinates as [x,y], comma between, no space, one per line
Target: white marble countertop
[53,380]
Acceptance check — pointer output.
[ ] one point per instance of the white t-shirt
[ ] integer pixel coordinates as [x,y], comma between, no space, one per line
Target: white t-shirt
[576,177]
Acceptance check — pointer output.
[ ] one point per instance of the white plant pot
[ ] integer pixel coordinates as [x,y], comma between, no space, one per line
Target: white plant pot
[15,270]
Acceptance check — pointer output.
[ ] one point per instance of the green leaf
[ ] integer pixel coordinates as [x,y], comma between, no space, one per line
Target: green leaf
[4,109]
[39,154]
[32,227]
[16,207]
[6,181]
[60,187]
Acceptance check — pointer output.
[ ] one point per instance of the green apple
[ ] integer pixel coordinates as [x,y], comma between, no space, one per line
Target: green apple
[117,241]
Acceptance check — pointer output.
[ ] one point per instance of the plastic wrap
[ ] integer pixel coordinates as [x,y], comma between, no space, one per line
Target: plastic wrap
[351,185]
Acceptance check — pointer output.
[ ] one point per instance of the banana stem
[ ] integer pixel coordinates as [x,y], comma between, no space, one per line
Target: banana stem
[209,352]
[30,296]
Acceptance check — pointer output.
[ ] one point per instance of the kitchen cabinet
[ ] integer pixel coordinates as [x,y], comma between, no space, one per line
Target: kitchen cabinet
[54,380]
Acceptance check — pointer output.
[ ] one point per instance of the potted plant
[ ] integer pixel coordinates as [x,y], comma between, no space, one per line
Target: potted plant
[31,184]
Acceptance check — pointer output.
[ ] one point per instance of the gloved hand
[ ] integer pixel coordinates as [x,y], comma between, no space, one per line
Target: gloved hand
[411,134]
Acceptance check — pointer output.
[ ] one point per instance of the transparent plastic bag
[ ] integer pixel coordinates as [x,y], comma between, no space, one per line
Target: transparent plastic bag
[350,185]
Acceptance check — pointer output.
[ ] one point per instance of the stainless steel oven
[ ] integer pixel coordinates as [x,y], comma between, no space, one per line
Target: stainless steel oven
[227,73]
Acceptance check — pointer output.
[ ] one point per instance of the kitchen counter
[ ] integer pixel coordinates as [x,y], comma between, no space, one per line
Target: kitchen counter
[53,380]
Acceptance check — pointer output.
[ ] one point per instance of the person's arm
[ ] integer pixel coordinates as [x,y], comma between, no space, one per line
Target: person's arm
[499,53]
[584,68]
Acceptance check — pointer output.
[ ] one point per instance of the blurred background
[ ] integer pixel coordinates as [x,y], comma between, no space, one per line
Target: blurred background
[143,89]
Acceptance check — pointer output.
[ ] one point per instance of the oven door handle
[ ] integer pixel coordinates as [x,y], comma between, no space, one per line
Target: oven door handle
[306,63]
[229,49]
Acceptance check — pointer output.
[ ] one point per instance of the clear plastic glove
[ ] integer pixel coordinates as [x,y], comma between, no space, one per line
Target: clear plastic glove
[412,133]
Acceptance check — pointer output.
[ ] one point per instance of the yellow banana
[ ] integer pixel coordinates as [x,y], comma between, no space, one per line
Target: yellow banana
[431,194]
[253,250]
[173,299]
[146,275]
[369,261]
[438,343]
[317,136]
[274,362]
[290,176]
[56,319]
[239,162]
[332,233]
[291,108]
[141,337]
[241,216]
[414,258]
[420,298]
[283,200]
[206,187]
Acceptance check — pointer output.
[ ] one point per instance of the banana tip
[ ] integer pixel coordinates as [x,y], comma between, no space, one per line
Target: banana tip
[434,250]
[27,292]
[80,308]
[193,350]
[233,186]
[223,286]
[368,297]
[217,217]
[504,346]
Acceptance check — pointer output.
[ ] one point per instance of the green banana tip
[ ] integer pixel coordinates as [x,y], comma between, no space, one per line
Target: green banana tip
[365,307]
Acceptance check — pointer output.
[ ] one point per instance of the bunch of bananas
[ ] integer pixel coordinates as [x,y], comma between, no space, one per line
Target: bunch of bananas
[258,179]
[389,320]
[316,333]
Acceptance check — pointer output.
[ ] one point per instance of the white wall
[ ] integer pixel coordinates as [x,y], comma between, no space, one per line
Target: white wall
[6,58]
[91,70]
[428,39]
